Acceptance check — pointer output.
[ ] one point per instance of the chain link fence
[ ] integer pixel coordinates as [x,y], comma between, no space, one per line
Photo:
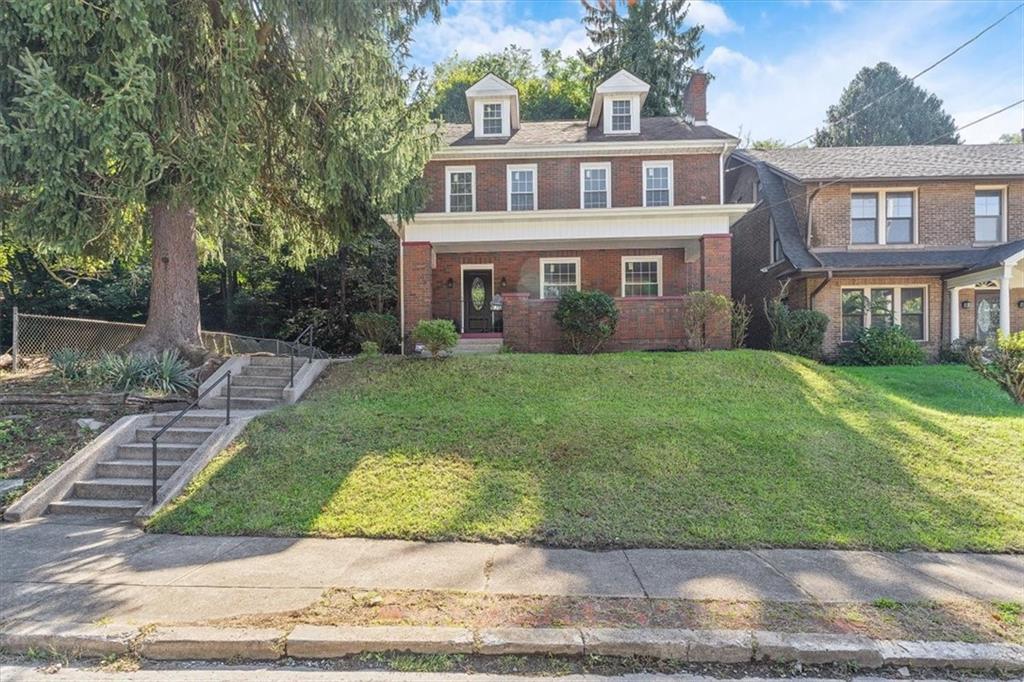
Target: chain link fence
[34,335]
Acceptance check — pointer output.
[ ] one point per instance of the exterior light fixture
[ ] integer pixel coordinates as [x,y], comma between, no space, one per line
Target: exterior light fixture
[504,283]
[966,305]
[1020,303]
[450,283]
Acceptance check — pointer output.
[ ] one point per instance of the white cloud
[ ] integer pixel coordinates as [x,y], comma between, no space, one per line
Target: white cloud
[838,5]
[786,97]
[475,28]
[712,17]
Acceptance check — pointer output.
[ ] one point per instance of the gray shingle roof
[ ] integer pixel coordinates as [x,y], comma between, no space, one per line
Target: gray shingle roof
[773,193]
[920,161]
[652,129]
[939,259]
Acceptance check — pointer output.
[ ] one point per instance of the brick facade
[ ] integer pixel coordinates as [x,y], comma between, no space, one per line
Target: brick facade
[695,181]
[416,283]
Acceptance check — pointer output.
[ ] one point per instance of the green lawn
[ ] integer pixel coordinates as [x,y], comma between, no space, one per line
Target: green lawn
[722,449]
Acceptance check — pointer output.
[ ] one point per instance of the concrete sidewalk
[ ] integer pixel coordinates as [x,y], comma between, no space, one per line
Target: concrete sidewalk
[54,569]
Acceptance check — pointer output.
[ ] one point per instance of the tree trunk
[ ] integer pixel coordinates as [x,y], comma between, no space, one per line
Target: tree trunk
[173,320]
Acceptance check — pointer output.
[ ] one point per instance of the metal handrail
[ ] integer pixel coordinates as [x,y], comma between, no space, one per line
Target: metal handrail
[227,419]
[297,342]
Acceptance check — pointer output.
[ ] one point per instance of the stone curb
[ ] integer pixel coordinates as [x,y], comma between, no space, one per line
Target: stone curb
[315,641]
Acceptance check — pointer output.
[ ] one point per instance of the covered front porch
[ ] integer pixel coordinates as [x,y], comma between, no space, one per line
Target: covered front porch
[989,298]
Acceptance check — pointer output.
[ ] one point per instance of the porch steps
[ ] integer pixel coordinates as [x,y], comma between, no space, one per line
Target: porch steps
[260,384]
[474,345]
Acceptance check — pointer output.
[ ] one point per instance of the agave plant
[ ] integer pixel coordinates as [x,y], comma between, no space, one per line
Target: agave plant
[122,372]
[168,373]
[69,364]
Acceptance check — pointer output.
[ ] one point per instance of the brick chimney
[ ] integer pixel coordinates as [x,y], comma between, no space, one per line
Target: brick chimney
[695,98]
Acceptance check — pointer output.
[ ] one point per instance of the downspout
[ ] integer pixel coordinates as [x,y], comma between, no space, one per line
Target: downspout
[817,289]
[401,288]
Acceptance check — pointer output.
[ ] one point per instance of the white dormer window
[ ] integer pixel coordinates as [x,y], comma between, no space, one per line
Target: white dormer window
[492,119]
[622,115]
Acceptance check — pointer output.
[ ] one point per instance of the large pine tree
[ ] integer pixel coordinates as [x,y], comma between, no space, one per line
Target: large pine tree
[649,41]
[169,123]
[881,106]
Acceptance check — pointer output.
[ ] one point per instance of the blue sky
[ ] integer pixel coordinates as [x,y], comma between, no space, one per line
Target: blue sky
[778,65]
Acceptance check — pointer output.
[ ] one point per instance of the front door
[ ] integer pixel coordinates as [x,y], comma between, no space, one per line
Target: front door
[986,305]
[476,296]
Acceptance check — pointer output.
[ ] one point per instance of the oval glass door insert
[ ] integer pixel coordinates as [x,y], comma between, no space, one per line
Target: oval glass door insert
[477,293]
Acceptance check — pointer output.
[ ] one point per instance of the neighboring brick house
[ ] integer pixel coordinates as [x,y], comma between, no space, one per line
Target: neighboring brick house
[519,212]
[928,237]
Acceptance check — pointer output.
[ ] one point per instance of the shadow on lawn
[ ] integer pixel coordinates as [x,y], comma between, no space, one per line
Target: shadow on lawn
[840,479]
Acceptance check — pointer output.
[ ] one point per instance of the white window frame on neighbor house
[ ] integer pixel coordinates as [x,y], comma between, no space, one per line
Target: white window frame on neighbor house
[897,312]
[607,168]
[642,259]
[1002,212]
[532,167]
[773,239]
[881,215]
[552,261]
[448,171]
[671,179]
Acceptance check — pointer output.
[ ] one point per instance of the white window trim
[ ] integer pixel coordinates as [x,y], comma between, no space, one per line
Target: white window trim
[508,184]
[546,261]
[448,170]
[607,166]
[1002,189]
[478,113]
[671,179]
[880,209]
[641,259]
[634,113]
[897,305]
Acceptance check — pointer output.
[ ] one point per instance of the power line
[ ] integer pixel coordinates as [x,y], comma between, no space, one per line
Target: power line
[917,75]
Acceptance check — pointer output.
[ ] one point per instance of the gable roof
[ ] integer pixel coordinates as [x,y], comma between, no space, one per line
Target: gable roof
[491,86]
[540,133]
[620,83]
[878,163]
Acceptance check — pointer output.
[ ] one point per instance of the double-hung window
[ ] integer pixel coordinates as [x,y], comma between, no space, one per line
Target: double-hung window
[988,215]
[460,189]
[595,185]
[558,275]
[622,115]
[864,218]
[492,119]
[899,217]
[641,276]
[522,188]
[882,307]
[657,183]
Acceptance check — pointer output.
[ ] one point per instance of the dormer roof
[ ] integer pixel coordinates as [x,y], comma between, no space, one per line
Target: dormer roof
[621,83]
[492,87]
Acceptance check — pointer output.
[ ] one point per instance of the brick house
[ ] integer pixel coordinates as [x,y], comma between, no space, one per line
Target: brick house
[928,237]
[519,212]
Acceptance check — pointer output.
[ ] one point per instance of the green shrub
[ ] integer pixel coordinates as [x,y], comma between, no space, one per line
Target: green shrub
[798,332]
[369,349]
[882,346]
[587,319]
[69,364]
[957,352]
[380,328]
[702,307]
[1003,364]
[436,335]
[168,373]
[121,372]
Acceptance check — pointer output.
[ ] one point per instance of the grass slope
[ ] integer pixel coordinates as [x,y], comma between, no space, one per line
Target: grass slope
[724,449]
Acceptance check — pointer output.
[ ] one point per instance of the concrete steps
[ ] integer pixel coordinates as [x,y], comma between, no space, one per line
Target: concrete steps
[477,345]
[115,508]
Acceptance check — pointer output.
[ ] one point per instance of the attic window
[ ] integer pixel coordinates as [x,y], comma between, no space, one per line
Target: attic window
[492,119]
[622,115]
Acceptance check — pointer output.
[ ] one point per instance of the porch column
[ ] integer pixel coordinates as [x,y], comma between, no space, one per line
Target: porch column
[1004,300]
[417,286]
[716,276]
[954,313]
